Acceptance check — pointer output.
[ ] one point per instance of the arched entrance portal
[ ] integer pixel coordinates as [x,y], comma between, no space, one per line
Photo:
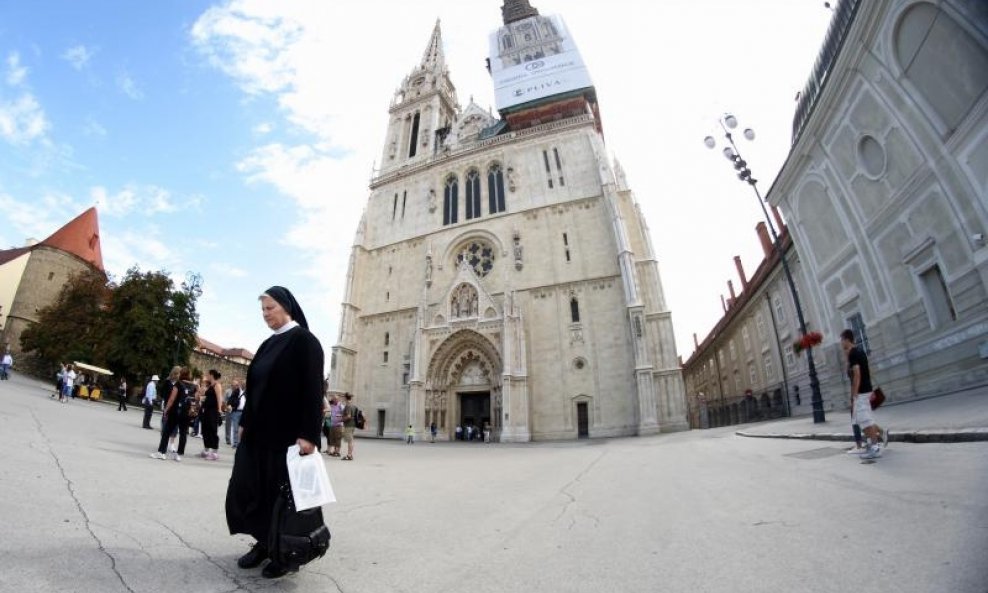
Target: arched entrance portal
[463,384]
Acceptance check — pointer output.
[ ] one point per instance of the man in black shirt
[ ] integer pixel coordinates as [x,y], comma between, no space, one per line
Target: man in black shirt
[860,376]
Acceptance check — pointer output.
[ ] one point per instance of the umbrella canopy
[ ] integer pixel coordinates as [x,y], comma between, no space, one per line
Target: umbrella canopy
[92,368]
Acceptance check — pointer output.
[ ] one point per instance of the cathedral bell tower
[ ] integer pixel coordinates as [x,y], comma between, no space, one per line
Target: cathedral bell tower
[422,111]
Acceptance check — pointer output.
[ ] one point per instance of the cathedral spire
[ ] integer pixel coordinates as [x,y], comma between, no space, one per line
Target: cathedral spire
[516,10]
[433,58]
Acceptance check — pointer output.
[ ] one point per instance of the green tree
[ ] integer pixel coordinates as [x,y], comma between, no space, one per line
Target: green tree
[152,325]
[71,328]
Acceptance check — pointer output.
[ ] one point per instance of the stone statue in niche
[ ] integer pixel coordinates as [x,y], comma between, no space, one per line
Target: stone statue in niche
[464,302]
[428,270]
[518,250]
[431,198]
[511,179]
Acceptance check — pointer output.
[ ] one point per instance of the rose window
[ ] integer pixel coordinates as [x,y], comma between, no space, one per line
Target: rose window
[479,255]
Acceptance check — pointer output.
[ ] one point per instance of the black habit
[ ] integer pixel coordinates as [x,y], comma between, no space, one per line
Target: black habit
[284,402]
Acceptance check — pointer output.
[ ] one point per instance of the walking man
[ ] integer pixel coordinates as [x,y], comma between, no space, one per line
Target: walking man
[5,363]
[122,396]
[860,376]
[150,393]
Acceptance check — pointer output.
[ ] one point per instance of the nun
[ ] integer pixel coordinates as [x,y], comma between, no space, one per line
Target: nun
[284,408]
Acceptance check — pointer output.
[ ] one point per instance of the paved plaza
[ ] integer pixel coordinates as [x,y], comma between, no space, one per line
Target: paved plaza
[83,508]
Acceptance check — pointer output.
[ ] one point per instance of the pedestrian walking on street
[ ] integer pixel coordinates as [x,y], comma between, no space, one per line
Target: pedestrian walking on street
[409,435]
[335,421]
[349,424]
[122,395]
[860,376]
[68,381]
[284,409]
[235,405]
[5,363]
[176,415]
[211,414]
[150,393]
[433,429]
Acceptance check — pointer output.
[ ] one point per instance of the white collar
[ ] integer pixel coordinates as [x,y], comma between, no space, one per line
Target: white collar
[290,325]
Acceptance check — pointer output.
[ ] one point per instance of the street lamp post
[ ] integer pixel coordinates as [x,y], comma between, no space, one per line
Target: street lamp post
[728,123]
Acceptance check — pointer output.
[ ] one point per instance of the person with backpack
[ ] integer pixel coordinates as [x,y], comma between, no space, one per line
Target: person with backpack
[176,414]
[350,414]
[211,415]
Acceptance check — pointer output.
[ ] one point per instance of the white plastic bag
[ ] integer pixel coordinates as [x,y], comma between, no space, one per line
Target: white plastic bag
[309,480]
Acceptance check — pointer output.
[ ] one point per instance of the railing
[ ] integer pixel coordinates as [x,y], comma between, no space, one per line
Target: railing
[741,409]
[832,43]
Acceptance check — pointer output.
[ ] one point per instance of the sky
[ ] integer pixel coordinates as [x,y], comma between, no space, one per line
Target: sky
[237,138]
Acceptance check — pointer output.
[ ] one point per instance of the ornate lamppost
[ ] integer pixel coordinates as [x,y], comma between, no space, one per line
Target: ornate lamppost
[727,123]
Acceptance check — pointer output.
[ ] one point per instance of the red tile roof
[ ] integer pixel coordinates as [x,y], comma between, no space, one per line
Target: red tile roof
[80,237]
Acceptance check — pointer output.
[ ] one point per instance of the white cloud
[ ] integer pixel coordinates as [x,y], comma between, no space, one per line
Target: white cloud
[129,87]
[263,128]
[228,270]
[78,56]
[15,72]
[91,127]
[22,120]
[36,219]
[149,199]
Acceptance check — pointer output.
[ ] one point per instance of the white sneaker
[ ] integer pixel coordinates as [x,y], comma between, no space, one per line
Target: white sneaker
[873,453]
[857,451]
[157,455]
[177,457]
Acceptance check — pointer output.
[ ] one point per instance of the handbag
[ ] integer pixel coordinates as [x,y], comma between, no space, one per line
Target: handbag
[877,398]
[296,537]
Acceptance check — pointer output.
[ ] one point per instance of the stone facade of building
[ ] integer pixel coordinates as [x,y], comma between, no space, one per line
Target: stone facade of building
[886,195]
[886,190]
[503,274]
[32,277]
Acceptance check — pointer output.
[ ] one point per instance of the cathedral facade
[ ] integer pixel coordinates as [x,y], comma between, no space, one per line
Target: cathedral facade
[502,273]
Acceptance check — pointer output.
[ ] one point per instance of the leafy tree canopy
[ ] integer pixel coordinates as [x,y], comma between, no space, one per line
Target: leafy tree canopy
[72,327]
[139,327]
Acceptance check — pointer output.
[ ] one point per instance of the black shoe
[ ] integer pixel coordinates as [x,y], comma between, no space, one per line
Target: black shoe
[274,570]
[253,558]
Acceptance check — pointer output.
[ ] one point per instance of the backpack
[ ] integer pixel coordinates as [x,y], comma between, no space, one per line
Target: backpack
[358,419]
[188,403]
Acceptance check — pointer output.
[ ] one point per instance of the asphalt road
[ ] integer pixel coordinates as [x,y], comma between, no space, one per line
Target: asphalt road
[83,508]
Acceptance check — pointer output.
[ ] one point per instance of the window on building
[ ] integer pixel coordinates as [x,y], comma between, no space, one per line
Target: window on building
[769,367]
[720,356]
[414,137]
[737,383]
[473,194]
[559,167]
[746,337]
[857,325]
[548,169]
[394,208]
[752,375]
[790,356]
[451,205]
[574,310]
[780,310]
[404,197]
[387,338]
[939,305]
[734,350]
[760,323]
[495,189]
[385,356]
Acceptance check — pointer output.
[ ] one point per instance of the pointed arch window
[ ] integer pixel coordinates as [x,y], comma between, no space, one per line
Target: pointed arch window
[451,204]
[473,194]
[414,139]
[574,310]
[495,189]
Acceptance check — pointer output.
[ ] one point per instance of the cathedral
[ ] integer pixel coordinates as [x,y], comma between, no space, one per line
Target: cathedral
[502,275]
